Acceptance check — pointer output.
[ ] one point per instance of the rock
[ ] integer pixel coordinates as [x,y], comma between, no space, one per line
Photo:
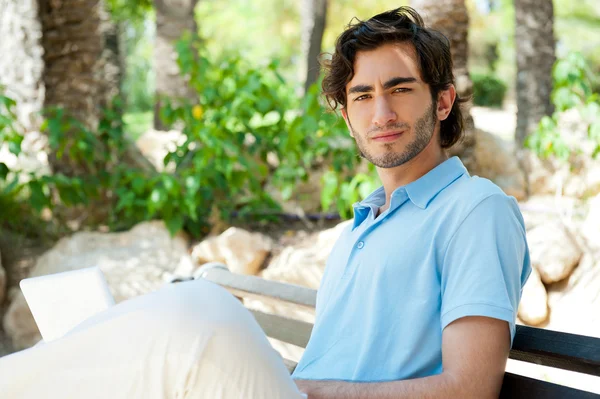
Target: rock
[134,263]
[541,173]
[554,252]
[574,302]
[579,177]
[541,209]
[591,226]
[155,145]
[2,281]
[243,252]
[304,265]
[533,309]
[493,159]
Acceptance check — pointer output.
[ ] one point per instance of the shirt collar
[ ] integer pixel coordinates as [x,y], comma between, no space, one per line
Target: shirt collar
[420,192]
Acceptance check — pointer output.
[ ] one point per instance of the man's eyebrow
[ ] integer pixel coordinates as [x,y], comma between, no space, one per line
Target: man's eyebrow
[387,85]
[360,89]
[398,81]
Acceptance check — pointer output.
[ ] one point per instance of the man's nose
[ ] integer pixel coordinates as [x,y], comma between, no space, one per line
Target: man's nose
[384,113]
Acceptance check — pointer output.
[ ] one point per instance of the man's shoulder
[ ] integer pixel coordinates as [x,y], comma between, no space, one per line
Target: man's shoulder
[471,191]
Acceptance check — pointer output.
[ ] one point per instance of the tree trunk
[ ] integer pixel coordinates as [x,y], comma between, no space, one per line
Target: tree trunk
[21,63]
[451,18]
[81,72]
[534,39]
[173,18]
[314,17]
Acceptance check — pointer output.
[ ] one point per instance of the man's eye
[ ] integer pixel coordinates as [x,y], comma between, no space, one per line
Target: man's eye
[401,90]
[360,98]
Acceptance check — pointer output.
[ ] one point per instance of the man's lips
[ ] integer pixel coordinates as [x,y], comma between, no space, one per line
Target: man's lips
[387,136]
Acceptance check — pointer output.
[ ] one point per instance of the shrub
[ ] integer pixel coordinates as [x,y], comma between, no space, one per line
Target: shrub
[572,89]
[488,90]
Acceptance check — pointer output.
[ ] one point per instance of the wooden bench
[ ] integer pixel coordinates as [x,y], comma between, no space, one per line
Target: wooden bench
[543,347]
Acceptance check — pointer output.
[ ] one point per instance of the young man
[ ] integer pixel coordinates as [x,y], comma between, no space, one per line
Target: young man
[420,294]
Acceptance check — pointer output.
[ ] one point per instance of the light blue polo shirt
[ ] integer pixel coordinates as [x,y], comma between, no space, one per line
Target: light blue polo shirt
[449,246]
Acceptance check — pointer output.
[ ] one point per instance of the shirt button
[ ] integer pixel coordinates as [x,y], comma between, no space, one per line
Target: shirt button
[360,245]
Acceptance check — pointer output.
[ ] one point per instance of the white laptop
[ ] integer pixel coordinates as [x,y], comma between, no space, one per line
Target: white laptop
[59,302]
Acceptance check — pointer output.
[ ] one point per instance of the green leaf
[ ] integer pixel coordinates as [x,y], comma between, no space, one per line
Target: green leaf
[286,192]
[174,224]
[37,199]
[3,171]
[138,184]
[330,189]
[14,147]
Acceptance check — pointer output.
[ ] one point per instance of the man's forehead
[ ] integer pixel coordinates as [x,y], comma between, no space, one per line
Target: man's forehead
[383,63]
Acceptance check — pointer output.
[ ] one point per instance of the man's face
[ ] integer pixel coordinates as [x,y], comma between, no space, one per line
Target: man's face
[389,110]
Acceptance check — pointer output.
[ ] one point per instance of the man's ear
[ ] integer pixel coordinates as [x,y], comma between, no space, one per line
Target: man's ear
[345,116]
[445,102]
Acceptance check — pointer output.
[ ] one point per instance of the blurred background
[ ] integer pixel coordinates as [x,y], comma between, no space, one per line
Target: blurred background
[149,137]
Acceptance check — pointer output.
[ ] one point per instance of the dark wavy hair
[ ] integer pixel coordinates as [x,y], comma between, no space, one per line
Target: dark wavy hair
[400,25]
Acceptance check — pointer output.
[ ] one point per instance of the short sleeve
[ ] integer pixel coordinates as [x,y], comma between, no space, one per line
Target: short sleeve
[486,264]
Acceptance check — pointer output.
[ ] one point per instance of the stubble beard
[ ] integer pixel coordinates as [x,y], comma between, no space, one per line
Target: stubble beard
[423,128]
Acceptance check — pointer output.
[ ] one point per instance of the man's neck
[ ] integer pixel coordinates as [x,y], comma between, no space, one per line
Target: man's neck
[392,178]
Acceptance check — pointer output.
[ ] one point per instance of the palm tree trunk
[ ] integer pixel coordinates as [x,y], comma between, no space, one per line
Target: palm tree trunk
[314,17]
[21,63]
[81,73]
[534,39]
[173,18]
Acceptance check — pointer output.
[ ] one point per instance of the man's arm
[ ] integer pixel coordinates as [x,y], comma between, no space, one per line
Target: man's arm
[474,354]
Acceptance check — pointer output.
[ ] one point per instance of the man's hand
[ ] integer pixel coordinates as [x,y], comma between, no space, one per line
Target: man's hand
[474,354]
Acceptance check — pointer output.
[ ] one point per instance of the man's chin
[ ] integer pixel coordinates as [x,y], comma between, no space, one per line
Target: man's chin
[388,162]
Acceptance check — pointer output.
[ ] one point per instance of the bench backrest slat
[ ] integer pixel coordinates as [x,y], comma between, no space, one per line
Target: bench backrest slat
[557,349]
[517,386]
[293,332]
[240,283]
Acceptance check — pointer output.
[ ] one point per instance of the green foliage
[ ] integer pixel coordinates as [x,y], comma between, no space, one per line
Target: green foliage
[247,128]
[137,123]
[138,85]
[129,10]
[246,113]
[345,192]
[488,90]
[572,90]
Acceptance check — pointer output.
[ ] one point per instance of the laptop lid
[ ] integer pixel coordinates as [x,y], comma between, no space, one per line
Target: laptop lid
[61,301]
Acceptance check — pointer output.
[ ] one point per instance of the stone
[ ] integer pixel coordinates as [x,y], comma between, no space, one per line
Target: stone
[134,262]
[2,282]
[591,226]
[541,173]
[579,177]
[574,302]
[541,209]
[243,252]
[493,158]
[533,309]
[305,263]
[553,250]
[155,145]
